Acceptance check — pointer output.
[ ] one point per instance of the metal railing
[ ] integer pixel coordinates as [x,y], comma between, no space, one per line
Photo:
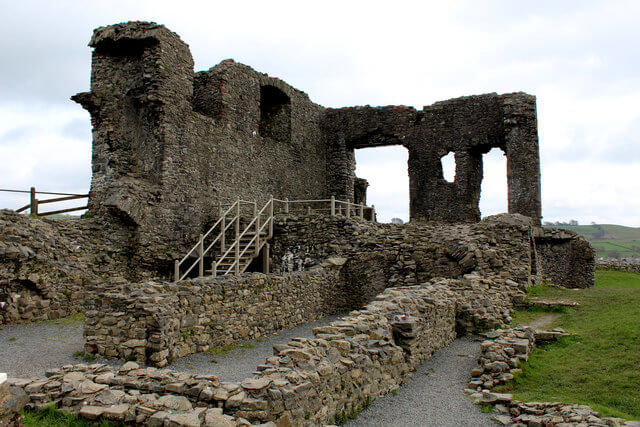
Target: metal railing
[248,240]
[35,203]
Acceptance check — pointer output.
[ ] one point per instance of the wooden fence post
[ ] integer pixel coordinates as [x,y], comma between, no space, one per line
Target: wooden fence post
[333,205]
[286,205]
[201,255]
[265,258]
[176,270]
[271,217]
[34,202]
[223,230]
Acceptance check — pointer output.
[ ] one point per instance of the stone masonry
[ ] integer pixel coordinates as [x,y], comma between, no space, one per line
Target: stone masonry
[170,144]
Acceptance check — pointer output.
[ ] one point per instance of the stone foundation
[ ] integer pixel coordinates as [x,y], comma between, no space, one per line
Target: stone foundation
[312,381]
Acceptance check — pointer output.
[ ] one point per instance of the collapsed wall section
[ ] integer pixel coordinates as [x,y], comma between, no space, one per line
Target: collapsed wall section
[468,127]
[47,265]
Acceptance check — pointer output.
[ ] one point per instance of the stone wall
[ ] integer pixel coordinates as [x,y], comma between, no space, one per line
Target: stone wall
[409,253]
[46,265]
[157,322]
[170,144]
[12,400]
[468,127]
[312,381]
[566,258]
[619,265]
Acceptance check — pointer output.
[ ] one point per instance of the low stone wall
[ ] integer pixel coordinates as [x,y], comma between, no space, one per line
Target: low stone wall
[157,322]
[565,257]
[618,265]
[312,381]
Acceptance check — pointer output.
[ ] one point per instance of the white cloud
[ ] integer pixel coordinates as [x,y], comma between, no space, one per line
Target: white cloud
[578,57]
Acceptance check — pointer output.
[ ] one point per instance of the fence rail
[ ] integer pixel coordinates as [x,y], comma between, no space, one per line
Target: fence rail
[34,203]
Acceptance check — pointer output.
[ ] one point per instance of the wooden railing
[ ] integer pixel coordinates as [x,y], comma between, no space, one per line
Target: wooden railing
[248,240]
[35,203]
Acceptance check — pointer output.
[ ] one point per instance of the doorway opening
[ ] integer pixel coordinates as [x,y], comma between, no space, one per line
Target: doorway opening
[386,169]
[494,191]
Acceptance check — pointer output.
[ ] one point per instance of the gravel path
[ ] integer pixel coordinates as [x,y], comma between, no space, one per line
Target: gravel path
[28,350]
[240,363]
[434,395]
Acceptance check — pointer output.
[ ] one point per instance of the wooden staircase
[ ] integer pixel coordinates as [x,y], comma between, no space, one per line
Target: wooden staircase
[242,232]
[232,243]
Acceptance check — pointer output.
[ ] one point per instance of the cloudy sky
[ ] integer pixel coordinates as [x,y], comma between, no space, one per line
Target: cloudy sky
[580,58]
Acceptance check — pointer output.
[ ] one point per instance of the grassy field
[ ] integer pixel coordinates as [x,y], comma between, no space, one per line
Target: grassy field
[609,239]
[599,365]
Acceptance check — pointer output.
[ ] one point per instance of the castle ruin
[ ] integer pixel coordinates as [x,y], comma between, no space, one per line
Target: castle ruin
[170,145]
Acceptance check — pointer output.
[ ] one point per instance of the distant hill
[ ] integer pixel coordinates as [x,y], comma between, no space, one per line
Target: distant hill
[609,241]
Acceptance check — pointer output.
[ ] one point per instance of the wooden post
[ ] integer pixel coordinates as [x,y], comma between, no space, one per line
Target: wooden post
[270,217]
[348,209]
[286,205]
[223,235]
[373,213]
[265,258]
[176,270]
[237,243]
[333,205]
[361,211]
[214,267]
[201,255]
[34,202]
[257,251]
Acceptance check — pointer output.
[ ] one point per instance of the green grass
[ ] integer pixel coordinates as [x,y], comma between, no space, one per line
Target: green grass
[599,364]
[223,350]
[87,357]
[49,416]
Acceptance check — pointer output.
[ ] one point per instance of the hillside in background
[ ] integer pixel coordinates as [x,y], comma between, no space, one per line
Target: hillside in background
[610,241]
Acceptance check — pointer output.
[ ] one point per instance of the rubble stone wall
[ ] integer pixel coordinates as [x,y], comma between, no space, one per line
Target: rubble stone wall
[46,265]
[157,322]
[566,258]
[619,265]
[313,381]
[404,254]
